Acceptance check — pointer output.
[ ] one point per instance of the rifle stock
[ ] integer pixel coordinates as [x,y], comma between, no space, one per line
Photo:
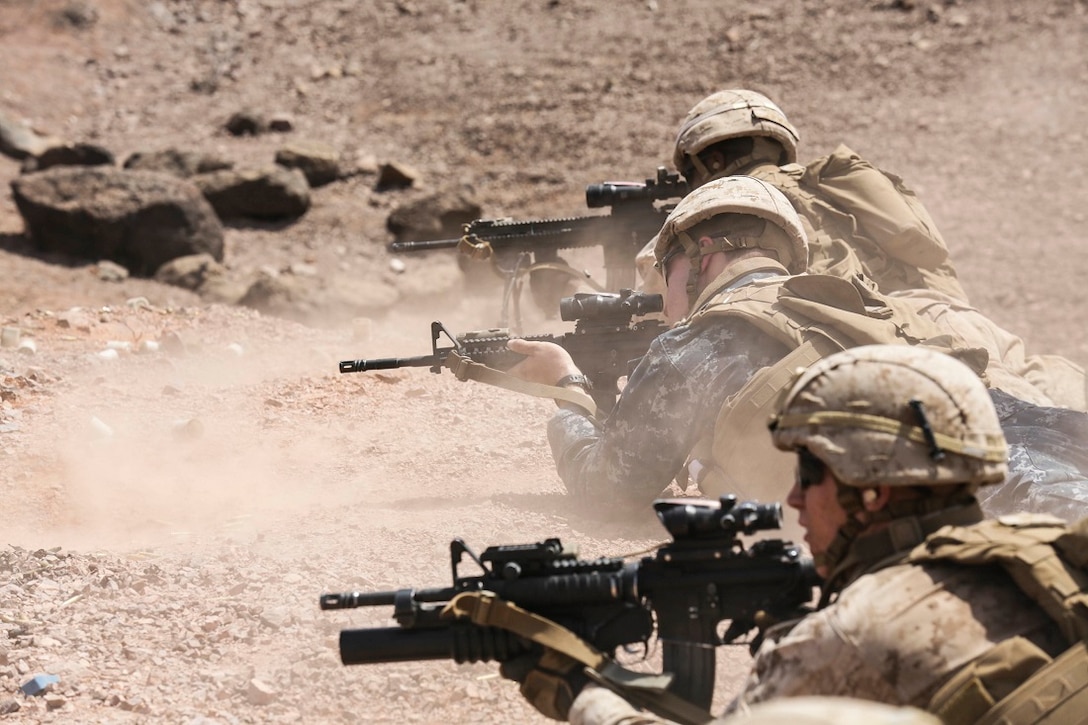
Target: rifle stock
[703,577]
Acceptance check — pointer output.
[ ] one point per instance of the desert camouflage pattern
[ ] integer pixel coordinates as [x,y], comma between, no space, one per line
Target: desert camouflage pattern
[733,114]
[881,437]
[836,248]
[737,195]
[598,706]
[1048,380]
[895,635]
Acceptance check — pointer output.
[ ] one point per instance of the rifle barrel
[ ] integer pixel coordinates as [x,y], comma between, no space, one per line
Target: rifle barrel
[351,600]
[386,363]
[423,245]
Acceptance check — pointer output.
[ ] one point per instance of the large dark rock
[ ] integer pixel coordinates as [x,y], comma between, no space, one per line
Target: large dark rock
[177,162]
[69,154]
[270,193]
[440,215]
[138,219]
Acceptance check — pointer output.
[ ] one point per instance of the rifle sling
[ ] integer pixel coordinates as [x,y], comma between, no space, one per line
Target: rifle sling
[645,690]
[465,368]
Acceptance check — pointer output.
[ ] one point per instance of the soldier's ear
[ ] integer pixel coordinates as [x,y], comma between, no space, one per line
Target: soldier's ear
[874,499]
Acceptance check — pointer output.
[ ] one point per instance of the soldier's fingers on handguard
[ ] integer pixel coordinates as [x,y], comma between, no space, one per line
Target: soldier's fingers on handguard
[545,362]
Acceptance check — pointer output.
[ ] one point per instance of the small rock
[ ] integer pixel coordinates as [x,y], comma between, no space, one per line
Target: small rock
[301,269]
[260,693]
[54,702]
[281,122]
[246,123]
[9,706]
[395,176]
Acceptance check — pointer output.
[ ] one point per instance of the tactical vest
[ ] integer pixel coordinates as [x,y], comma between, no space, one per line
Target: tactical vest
[813,316]
[859,218]
[1016,683]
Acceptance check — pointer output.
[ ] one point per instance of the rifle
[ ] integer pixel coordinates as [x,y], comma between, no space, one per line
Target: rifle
[517,248]
[702,577]
[605,344]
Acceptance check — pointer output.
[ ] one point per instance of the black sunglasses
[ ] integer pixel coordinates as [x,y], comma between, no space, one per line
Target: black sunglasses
[810,469]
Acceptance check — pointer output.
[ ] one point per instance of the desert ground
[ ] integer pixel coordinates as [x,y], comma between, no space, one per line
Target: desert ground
[172,511]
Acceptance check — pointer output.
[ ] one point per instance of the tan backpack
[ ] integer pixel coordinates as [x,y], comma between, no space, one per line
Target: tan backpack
[1016,683]
[886,212]
[863,219]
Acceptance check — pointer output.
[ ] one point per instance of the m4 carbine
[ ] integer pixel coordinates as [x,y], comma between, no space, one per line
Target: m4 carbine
[605,343]
[519,248]
[703,577]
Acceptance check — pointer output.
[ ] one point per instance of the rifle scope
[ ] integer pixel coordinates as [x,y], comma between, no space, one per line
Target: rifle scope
[695,519]
[611,193]
[609,306]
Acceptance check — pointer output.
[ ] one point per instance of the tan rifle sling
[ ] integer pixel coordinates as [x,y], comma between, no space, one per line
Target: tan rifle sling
[644,690]
[1016,683]
[465,368]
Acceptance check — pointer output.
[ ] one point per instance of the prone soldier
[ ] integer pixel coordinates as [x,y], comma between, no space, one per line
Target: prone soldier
[924,604]
[859,220]
[732,254]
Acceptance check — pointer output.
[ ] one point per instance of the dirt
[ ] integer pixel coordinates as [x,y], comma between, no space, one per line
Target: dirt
[181,481]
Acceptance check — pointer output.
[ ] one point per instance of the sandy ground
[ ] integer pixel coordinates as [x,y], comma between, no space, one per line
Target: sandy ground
[171,512]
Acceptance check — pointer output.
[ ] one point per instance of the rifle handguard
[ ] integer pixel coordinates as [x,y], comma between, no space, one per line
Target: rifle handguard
[486,610]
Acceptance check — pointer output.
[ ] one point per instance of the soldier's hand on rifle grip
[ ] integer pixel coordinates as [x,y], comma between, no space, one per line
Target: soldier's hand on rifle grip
[545,362]
[549,680]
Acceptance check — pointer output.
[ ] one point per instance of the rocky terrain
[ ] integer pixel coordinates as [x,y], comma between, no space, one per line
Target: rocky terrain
[183,476]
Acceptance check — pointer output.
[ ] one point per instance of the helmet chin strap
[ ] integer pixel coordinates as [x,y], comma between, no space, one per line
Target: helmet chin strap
[922,514]
[857,520]
[696,251]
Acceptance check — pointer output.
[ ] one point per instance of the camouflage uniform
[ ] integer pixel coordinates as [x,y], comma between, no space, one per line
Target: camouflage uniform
[690,396]
[597,706]
[896,634]
[915,610]
[841,244]
[674,394]
[1048,461]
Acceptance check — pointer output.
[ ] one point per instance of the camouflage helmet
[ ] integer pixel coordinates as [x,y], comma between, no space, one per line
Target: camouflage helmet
[733,114]
[896,415]
[737,195]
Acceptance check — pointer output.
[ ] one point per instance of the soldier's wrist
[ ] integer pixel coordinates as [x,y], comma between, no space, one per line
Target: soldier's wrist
[574,380]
